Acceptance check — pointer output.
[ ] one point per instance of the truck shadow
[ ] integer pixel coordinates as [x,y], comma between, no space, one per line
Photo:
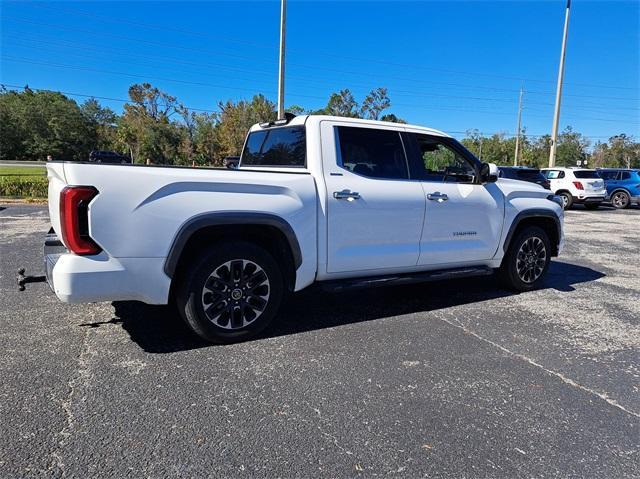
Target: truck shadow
[158,329]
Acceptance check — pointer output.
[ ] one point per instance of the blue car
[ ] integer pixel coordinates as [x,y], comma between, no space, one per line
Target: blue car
[623,186]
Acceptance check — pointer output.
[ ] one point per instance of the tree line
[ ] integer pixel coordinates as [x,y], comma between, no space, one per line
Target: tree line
[155,127]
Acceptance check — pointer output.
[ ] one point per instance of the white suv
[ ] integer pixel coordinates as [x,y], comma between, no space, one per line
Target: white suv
[576,185]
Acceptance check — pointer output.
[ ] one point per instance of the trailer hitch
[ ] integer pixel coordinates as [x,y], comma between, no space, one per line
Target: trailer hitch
[22,279]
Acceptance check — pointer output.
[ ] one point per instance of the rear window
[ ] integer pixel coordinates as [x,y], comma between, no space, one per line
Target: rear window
[586,174]
[276,147]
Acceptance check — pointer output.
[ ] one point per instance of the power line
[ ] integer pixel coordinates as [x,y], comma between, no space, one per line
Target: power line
[312,67]
[397,92]
[329,54]
[71,45]
[86,95]
[204,84]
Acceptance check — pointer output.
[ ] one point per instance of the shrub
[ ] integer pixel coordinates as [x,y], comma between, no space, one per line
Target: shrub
[23,187]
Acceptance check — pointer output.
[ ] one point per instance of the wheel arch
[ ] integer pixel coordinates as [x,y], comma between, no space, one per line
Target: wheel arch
[269,231]
[545,219]
[620,189]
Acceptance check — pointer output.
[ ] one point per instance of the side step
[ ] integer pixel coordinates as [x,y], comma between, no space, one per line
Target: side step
[395,280]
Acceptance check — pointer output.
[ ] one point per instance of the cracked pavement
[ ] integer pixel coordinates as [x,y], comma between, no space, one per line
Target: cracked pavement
[459,378]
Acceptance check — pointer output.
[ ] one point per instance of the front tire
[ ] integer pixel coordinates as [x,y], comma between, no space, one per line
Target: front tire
[527,260]
[567,200]
[231,292]
[620,200]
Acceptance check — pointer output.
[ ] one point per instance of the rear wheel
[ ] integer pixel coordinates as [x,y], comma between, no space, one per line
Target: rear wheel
[231,292]
[620,200]
[527,260]
[567,200]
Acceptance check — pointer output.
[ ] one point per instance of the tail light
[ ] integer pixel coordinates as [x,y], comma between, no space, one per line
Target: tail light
[578,185]
[74,219]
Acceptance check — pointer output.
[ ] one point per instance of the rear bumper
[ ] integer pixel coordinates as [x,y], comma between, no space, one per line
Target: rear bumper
[53,249]
[88,279]
[588,199]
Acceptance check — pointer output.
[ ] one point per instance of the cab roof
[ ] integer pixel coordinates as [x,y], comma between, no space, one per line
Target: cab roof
[308,119]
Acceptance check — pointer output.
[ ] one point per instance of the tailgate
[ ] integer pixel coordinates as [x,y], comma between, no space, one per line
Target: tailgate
[57,181]
[594,185]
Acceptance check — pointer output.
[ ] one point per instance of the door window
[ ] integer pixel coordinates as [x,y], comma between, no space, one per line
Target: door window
[372,153]
[554,174]
[440,162]
[625,175]
[608,175]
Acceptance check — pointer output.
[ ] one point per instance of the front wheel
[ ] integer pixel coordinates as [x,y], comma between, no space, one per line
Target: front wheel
[527,260]
[230,293]
[620,200]
[567,200]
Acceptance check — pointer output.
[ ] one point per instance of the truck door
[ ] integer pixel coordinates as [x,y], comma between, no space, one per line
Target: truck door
[463,219]
[374,211]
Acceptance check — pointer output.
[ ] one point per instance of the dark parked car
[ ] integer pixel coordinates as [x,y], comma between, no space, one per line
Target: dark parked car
[98,156]
[522,173]
[623,186]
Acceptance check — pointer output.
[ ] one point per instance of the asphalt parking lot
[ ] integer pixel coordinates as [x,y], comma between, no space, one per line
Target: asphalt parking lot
[458,379]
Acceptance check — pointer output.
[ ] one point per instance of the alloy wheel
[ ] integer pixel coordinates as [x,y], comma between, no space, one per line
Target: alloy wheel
[235,294]
[620,200]
[531,259]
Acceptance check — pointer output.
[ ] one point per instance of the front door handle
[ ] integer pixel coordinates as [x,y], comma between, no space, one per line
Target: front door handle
[346,195]
[437,196]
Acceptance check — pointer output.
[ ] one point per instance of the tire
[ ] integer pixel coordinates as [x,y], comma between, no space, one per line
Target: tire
[567,200]
[527,260]
[230,293]
[592,206]
[620,200]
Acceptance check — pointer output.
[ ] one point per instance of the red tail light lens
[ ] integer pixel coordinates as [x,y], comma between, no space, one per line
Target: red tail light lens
[578,185]
[74,219]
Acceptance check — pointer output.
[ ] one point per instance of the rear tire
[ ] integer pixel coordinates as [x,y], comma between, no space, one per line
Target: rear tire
[231,292]
[567,200]
[620,200]
[527,260]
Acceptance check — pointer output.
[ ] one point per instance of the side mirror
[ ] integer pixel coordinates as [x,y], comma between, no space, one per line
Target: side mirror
[488,173]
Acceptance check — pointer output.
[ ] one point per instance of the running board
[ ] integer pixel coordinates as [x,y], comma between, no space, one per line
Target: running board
[395,280]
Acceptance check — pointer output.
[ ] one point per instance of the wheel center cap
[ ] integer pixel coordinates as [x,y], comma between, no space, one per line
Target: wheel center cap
[236,294]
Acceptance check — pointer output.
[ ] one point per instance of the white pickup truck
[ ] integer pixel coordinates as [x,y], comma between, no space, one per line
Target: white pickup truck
[338,201]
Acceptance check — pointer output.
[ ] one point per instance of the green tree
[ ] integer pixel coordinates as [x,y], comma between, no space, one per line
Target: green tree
[103,120]
[572,146]
[237,117]
[375,103]
[146,130]
[37,124]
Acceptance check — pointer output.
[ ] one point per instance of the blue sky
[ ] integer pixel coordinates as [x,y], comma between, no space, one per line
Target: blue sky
[450,65]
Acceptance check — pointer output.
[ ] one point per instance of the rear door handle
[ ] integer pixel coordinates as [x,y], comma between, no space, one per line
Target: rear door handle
[346,195]
[437,196]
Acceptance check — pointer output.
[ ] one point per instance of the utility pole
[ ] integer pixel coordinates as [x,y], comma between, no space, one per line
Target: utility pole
[515,159]
[283,21]
[556,113]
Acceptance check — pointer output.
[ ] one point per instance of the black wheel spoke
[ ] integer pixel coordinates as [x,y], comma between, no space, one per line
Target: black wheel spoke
[235,294]
[216,309]
[236,270]
[531,259]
